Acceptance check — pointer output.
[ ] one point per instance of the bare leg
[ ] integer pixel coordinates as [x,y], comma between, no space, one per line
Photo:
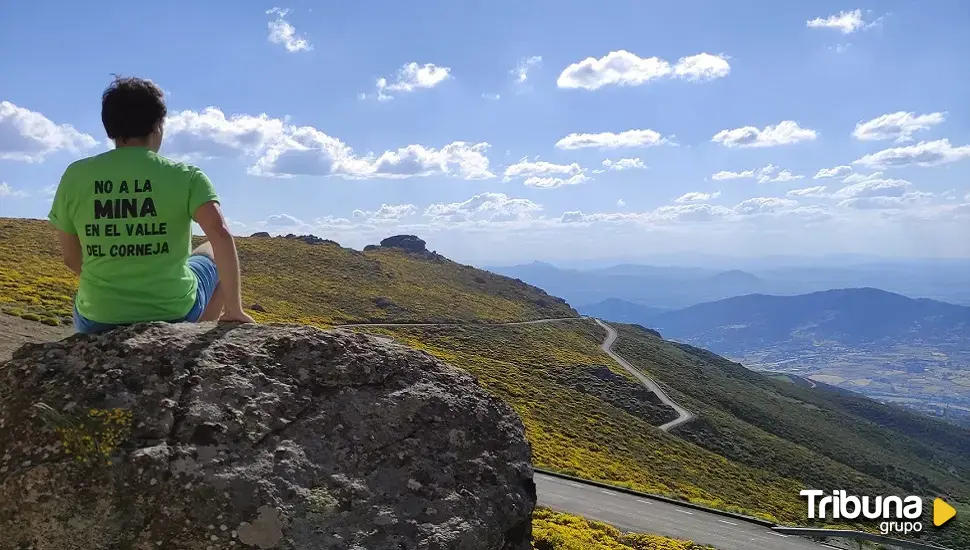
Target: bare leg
[206,250]
[213,310]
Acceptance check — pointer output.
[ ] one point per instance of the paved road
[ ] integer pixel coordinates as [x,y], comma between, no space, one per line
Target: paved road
[683,415]
[465,323]
[632,513]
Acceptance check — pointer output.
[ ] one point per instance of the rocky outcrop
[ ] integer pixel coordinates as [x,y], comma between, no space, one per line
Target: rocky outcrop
[261,235]
[310,239]
[198,436]
[410,243]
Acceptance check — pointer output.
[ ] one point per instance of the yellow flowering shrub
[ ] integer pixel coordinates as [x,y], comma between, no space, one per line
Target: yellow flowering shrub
[91,437]
[553,530]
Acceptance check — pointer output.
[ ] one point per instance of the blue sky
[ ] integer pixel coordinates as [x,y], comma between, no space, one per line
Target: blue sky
[490,164]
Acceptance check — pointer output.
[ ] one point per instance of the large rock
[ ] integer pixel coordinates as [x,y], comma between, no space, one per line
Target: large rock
[254,436]
[410,243]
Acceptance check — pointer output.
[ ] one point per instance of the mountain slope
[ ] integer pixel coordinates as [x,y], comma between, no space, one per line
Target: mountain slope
[822,439]
[584,415]
[664,287]
[620,311]
[848,316]
[293,280]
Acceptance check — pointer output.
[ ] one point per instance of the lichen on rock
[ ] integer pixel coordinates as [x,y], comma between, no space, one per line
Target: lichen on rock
[198,436]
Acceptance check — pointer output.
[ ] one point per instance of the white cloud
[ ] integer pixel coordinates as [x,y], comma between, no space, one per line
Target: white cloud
[387,212]
[622,68]
[702,66]
[411,77]
[783,176]
[283,220]
[841,48]
[526,168]
[309,152]
[610,140]
[7,191]
[623,164]
[696,196]
[553,182]
[924,153]
[491,97]
[899,126]
[836,172]
[768,174]
[885,202]
[873,188]
[697,213]
[689,213]
[521,71]
[856,178]
[726,175]
[764,205]
[817,191]
[786,132]
[284,150]
[484,207]
[282,32]
[546,175]
[621,203]
[846,21]
[29,136]
[210,134]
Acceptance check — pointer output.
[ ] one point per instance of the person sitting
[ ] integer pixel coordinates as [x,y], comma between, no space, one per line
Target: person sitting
[124,219]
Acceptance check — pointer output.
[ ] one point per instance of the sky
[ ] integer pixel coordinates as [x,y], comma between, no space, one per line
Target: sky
[506,132]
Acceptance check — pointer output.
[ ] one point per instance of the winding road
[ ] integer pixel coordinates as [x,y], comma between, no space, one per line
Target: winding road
[640,513]
[683,415]
[645,515]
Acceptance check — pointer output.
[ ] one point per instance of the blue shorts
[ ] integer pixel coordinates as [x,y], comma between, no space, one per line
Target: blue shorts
[205,272]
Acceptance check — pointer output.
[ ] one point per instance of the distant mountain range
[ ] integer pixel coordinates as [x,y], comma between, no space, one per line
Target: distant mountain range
[678,287]
[850,317]
[621,311]
[883,344]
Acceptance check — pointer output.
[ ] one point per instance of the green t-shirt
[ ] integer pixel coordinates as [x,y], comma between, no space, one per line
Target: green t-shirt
[132,211]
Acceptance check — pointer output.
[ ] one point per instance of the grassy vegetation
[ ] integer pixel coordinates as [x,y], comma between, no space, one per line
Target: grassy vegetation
[758,440]
[556,531]
[822,439]
[296,282]
[584,435]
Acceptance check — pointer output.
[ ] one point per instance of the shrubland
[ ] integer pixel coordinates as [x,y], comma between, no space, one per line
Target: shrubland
[557,531]
[758,440]
[292,281]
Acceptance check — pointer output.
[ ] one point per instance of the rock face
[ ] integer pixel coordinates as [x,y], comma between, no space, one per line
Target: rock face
[204,436]
[310,239]
[411,243]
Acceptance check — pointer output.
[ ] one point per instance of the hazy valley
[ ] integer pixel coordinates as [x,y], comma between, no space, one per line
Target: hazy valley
[884,345]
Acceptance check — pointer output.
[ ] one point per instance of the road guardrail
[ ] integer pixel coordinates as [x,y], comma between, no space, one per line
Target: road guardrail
[857,535]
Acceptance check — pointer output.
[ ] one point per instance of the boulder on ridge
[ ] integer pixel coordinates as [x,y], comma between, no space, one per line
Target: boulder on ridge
[205,436]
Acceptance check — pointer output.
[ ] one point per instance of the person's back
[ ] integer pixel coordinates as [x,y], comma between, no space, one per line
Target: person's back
[125,220]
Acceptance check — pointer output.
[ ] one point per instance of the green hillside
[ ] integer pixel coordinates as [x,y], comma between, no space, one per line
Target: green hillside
[758,440]
[823,439]
[294,281]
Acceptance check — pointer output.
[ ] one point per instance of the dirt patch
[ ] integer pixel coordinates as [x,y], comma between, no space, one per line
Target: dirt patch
[15,332]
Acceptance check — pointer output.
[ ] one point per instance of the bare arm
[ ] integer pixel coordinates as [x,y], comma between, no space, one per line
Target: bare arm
[210,219]
[70,251]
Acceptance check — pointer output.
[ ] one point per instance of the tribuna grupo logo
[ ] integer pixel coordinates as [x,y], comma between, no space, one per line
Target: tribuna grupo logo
[898,514]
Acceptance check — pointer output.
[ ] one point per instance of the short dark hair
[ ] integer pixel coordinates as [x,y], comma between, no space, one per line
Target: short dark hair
[132,108]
